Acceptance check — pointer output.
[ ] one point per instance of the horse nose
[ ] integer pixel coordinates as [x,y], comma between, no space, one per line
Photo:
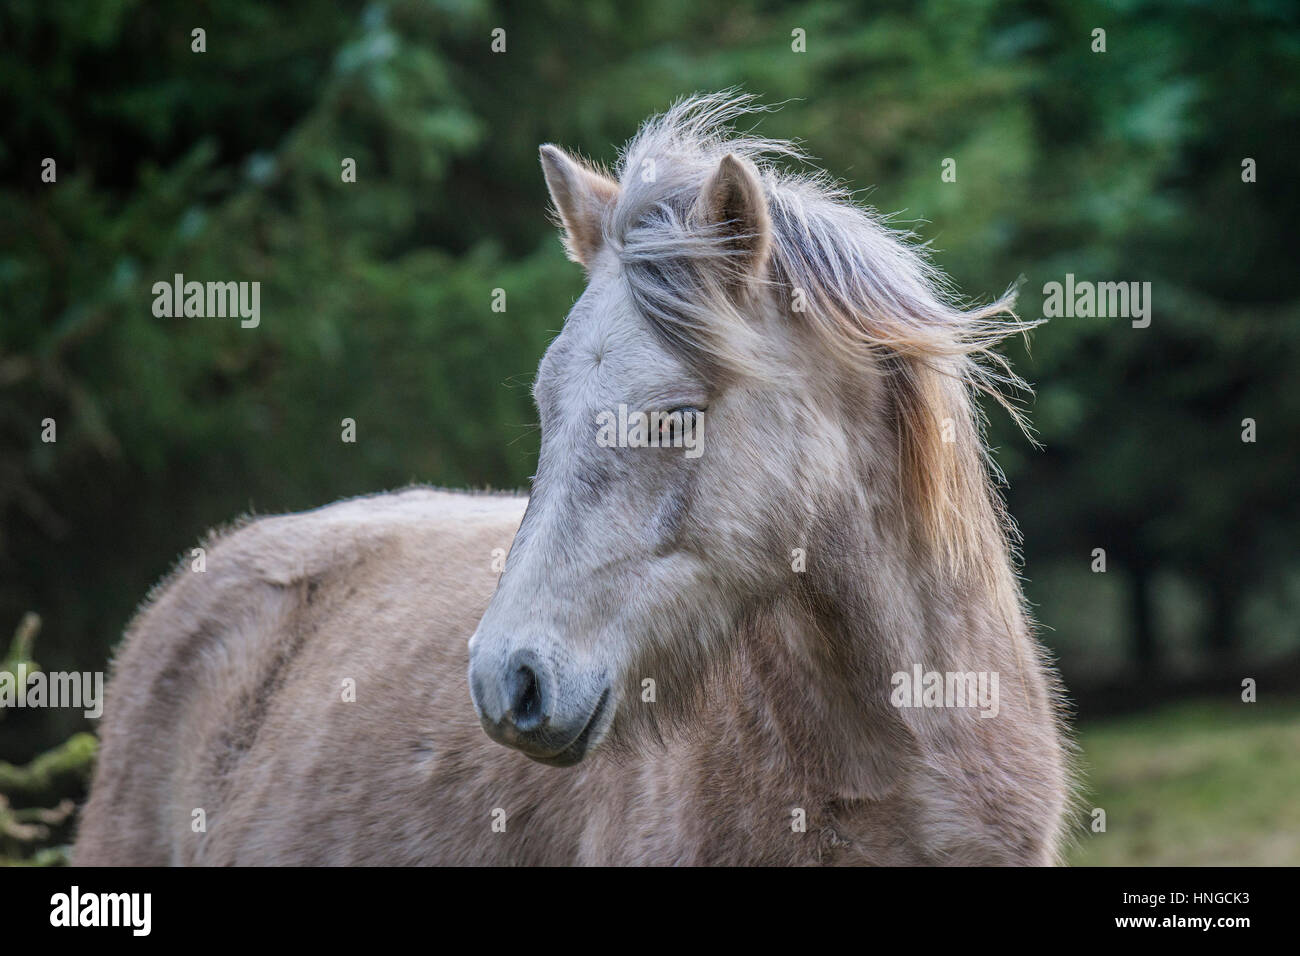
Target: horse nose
[528,693]
[516,702]
[536,701]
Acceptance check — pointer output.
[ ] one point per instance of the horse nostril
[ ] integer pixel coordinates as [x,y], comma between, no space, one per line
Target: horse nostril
[527,699]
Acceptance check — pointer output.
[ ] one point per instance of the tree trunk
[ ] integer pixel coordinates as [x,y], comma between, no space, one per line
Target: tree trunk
[1221,628]
[1142,618]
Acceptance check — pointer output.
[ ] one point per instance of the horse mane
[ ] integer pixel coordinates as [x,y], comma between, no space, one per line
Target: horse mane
[865,290]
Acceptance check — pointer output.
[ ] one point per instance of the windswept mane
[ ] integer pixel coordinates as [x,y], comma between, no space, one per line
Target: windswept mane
[866,290]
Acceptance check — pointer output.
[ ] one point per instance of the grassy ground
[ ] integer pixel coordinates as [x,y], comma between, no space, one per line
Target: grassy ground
[1194,784]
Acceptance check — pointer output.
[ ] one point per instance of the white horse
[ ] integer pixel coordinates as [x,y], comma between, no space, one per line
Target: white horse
[757,620]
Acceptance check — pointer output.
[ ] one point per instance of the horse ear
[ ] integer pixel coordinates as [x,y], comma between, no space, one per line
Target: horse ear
[733,201]
[580,195]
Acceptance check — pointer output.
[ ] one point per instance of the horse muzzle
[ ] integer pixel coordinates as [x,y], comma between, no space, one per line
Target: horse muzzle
[548,712]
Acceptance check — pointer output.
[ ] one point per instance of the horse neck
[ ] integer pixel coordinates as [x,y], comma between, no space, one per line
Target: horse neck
[823,653]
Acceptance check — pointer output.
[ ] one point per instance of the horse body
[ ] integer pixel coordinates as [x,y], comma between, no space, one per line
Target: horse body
[688,658]
[228,697]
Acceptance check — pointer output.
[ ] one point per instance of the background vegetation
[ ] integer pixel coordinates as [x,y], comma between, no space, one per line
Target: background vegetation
[1124,165]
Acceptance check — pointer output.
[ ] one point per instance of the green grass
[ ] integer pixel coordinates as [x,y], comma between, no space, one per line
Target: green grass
[1192,785]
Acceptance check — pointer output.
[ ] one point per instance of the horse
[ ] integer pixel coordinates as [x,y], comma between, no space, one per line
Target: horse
[742,656]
